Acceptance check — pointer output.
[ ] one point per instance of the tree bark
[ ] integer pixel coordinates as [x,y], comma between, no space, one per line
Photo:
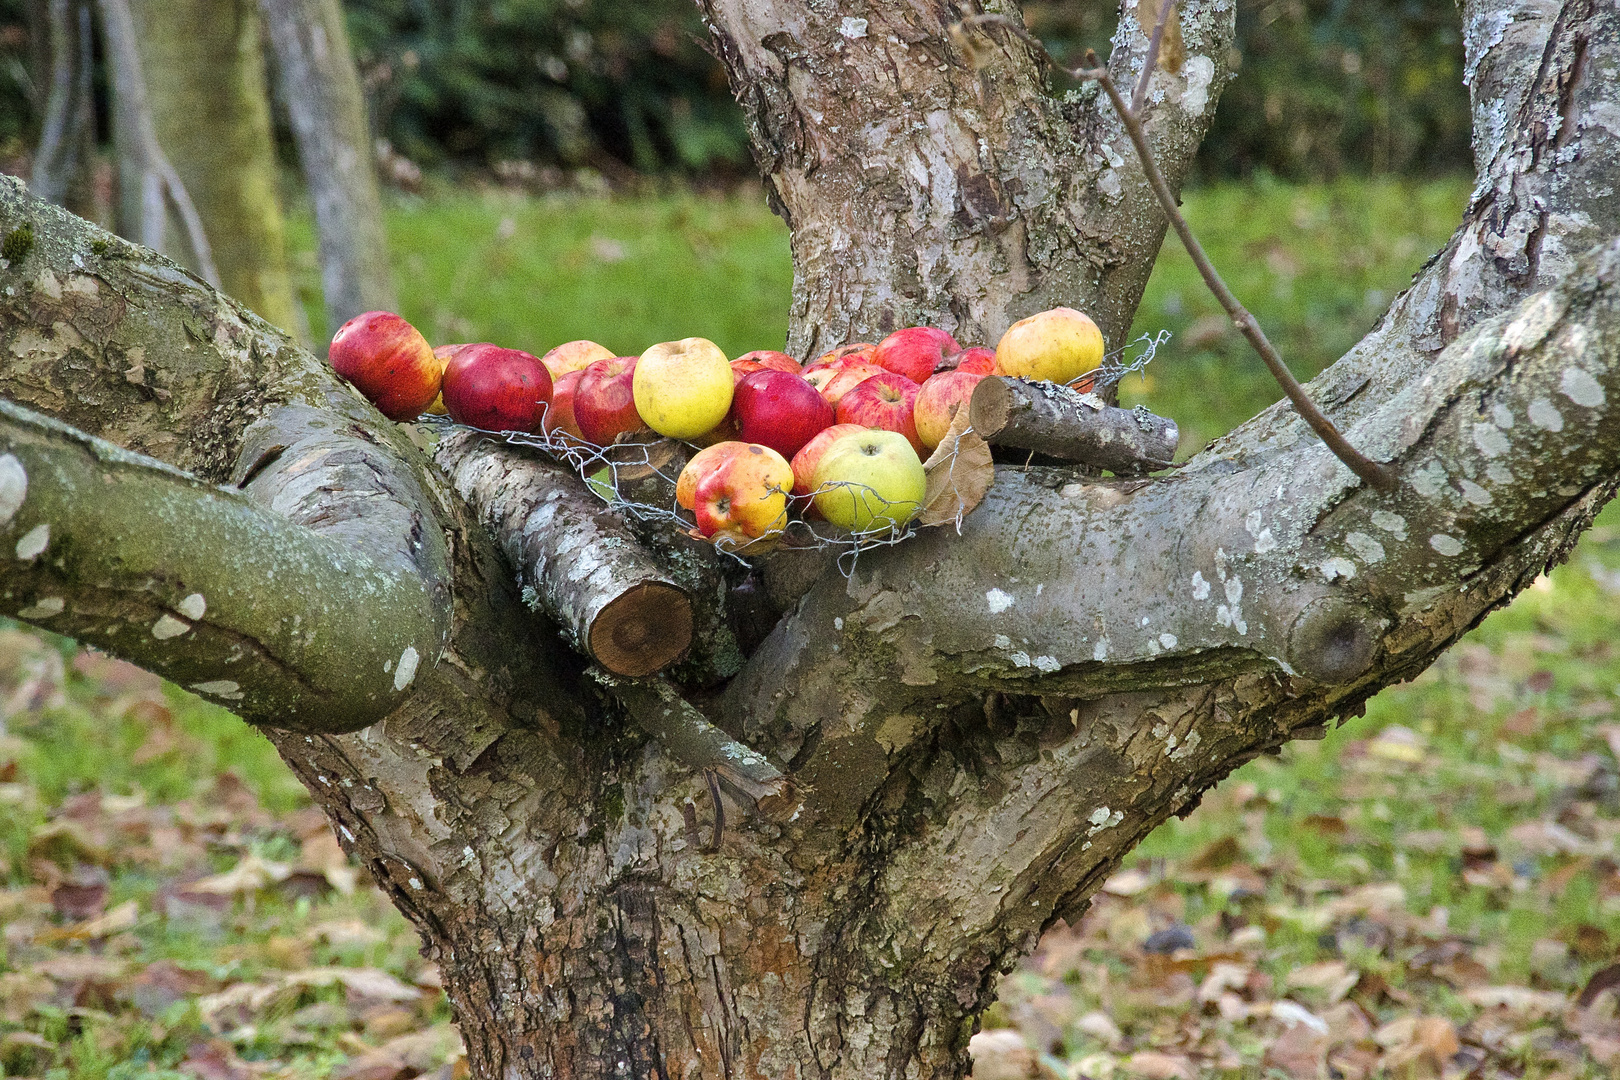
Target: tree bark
[321,87]
[979,725]
[205,83]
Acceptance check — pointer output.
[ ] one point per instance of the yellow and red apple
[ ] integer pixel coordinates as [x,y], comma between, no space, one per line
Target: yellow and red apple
[737,489]
[978,360]
[1060,345]
[574,356]
[389,362]
[770,358]
[938,402]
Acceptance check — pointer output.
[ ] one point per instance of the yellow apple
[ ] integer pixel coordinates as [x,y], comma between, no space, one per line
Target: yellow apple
[870,482]
[683,388]
[1060,345]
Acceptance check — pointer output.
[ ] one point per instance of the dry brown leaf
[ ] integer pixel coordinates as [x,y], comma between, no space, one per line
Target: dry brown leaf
[960,471]
[322,854]
[1172,50]
[120,918]
[248,876]
[1157,1066]
[1300,1052]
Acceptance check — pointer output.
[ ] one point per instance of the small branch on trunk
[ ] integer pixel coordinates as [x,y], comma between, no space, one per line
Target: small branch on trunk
[160,568]
[575,555]
[1061,422]
[689,737]
[1374,474]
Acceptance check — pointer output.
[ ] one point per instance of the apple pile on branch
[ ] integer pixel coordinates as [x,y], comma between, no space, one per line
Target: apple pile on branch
[760,442]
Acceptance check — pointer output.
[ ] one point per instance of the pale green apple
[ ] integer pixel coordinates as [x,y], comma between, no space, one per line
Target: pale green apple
[869,482]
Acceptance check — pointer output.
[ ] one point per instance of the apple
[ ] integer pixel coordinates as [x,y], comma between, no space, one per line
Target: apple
[977,359]
[870,482]
[737,488]
[857,352]
[391,364]
[809,456]
[886,401]
[915,351]
[1061,345]
[560,417]
[938,402]
[741,369]
[496,389]
[574,356]
[605,401]
[683,388]
[780,410]
[779,361]
[443,354]
[836,380]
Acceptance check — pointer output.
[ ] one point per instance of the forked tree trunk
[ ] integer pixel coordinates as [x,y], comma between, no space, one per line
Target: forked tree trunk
[976,727]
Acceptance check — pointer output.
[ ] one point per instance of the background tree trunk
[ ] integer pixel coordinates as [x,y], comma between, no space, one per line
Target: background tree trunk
[205,82]
[981,724]
[65,162]
[318,80]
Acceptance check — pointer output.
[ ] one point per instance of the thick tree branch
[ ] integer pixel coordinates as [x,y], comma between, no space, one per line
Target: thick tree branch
[1068,587]
[202,585]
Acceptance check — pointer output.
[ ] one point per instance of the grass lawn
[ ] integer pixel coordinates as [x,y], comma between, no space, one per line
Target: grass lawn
[1424,893]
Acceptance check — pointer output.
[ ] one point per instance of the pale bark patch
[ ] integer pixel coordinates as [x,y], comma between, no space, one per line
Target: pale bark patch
[34,542]
[13,487]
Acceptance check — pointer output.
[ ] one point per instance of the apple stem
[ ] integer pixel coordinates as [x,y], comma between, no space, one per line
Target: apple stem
[1374,474]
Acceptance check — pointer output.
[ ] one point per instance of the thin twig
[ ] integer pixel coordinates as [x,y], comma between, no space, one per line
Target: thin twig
[1139,98]
[1368,470]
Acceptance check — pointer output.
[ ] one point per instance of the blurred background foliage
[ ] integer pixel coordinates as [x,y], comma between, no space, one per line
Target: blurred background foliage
[1324,87]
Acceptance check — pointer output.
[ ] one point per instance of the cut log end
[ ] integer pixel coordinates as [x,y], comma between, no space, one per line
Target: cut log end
[643,630]
[990,407]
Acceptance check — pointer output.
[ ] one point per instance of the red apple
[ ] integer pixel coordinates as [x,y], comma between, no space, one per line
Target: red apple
[884,401]
[560,417]
[857,352]
[809,456]
[915,351]
[778,361]
[780,410]
[938,402]
[496,389]
[605,400]
[387,361]
[574,356]
[742,368]
[978,359]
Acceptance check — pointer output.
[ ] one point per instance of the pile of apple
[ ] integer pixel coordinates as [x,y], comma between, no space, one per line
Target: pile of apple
[842,438]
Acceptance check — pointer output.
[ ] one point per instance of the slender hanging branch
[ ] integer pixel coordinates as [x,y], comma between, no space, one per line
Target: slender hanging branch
[1368,470]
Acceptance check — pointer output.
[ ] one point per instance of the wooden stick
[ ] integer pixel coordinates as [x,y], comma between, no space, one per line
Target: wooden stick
[1061,422]
[575,555]
[688,737]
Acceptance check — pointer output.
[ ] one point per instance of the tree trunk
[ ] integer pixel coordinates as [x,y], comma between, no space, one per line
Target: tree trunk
[322,90]
[205,84]
[975,727]
[65,161]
